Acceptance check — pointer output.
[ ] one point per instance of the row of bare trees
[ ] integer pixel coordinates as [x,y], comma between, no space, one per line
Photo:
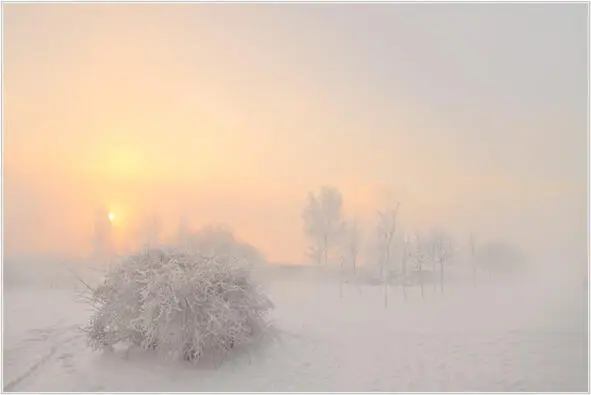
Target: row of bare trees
[399,256]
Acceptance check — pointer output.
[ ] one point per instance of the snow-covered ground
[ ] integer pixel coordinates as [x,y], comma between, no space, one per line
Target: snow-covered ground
[487,339]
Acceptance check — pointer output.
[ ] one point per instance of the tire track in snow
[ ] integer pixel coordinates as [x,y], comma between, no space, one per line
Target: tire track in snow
[30,371]
[56,336]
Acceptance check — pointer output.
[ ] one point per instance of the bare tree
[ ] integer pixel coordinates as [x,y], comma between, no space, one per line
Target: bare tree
[314,254]
[431,249]
[419,256]
[386,231]
[353,245]
[443,252]
[349,251]
[323,222]
[405,254]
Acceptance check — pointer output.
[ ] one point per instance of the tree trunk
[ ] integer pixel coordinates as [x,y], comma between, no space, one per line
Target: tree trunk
[386,275]
[404,275]
[421,282]
[434,270]
[441,265]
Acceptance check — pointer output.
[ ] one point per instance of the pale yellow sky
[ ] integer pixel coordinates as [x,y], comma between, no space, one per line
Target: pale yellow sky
[231,113]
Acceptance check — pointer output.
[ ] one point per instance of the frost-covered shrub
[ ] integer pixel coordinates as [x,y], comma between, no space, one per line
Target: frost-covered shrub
[181,302]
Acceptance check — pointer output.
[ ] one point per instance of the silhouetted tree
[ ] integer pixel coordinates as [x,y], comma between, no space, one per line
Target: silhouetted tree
[323,222]
[405,256]
[352,246]
[386,231]
[419,255]
[443,251]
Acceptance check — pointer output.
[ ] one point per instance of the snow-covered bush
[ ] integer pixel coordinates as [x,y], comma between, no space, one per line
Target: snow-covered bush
[180,301]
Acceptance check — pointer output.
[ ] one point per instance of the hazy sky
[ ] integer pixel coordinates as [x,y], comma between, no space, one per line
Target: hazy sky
[474,116]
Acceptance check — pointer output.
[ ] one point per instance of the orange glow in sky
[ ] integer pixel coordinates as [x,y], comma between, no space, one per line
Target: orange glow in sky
[232,113]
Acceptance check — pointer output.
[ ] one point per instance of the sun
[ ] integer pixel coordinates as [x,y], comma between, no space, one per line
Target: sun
[111,217]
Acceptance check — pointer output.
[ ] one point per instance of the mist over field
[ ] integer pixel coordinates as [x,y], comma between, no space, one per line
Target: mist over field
[295,197]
